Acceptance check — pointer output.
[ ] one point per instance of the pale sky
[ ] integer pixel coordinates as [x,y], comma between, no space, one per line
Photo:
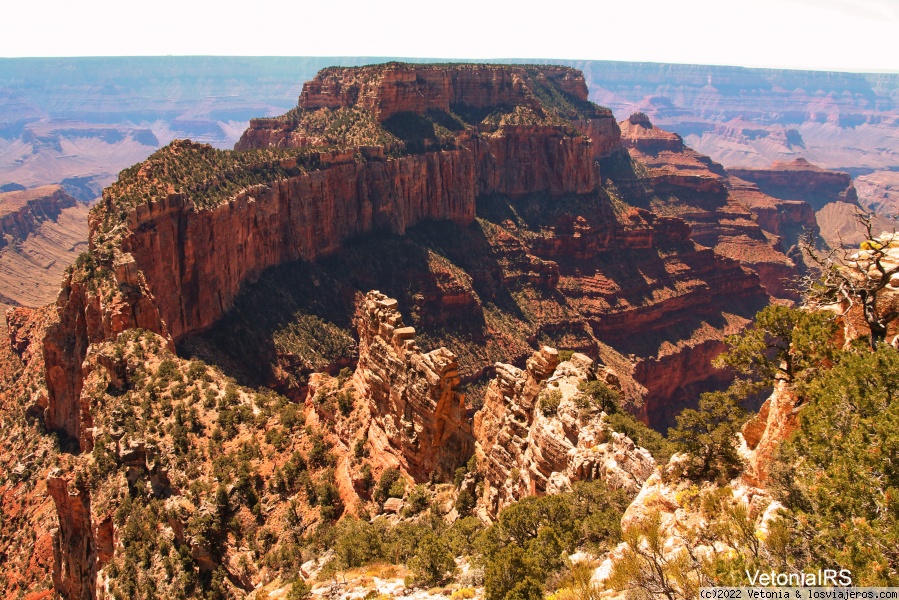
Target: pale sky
[859,35]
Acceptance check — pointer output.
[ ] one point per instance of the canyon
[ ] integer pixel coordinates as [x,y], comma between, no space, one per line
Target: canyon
[77,122]
[505,219]
[43,229]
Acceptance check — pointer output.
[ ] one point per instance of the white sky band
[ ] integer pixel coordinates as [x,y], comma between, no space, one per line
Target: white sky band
[855,35]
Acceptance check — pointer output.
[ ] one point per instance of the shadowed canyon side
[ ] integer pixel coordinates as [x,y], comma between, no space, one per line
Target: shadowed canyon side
[496,208]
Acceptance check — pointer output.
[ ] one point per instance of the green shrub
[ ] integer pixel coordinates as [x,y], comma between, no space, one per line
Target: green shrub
[299,590]
[168,371]
[292,416]
[358,543]
[419,499]
[598,394]
[328,498]
[390,485]
[319,454]
[708,437]
[549,402]
[465,502]
[431,563]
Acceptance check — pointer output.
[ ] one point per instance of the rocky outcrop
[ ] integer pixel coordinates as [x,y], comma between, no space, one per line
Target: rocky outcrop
[538,433]
[638,132]
[75,557]
[94,305]
[418,416]
[776,420]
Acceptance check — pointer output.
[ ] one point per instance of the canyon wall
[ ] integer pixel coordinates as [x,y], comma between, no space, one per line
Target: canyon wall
[22,211]
[733,216]
[42,230]
[176,268]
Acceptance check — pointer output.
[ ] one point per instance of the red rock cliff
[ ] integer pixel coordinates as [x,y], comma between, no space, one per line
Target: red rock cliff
[418,416]
[178,267]
[388,90]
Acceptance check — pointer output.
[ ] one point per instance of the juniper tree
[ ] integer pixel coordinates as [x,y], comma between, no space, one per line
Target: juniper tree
[855,277]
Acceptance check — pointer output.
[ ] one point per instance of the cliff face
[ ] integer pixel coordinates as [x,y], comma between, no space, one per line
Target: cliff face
[21,211]
[75,557]
[418,416]
[393,88]
[195,260]
[42,230]
[831,195]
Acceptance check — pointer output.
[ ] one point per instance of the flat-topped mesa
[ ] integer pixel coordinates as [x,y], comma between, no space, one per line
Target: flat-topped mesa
[801,180]
[374,103]
[418,417]
[396,87]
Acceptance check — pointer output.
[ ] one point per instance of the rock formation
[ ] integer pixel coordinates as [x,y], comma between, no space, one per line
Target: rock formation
[396,88]
[831,194]
[724,213]
[75,557]
[538,433]
[776,420]
[418,416]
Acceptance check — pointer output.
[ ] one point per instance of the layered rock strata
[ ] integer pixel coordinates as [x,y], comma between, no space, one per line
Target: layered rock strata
[801,180]
[731,216]
[41,232]
[418,415]
[538,433]
[22,211]
[388,90]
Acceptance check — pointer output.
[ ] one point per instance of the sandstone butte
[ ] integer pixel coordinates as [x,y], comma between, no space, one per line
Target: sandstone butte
[554,224]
